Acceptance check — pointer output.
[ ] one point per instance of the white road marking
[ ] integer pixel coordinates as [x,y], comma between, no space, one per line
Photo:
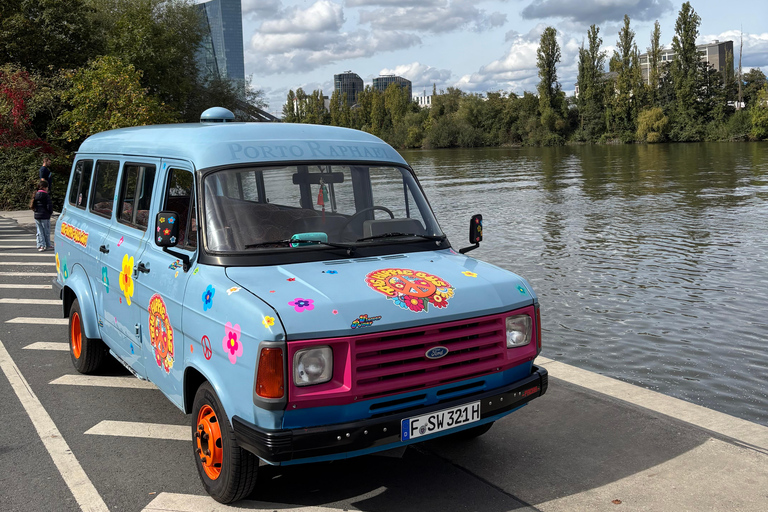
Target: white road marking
[103,382]
[741,430]
[144,430]
[38,321]
[48,302]
[30,274]
[44,254]
[172,502]
[81,487]
[44,345]
[27,286]
[29,263]
[17,246]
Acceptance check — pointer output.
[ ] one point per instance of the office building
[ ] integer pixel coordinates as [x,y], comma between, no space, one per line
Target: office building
[715,54]
[349,84]
[381,83]
[221,53]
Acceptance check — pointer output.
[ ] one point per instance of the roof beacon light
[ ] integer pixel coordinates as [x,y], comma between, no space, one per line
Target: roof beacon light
[217,115]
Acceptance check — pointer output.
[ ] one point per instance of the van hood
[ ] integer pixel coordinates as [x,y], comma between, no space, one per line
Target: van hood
[346,297]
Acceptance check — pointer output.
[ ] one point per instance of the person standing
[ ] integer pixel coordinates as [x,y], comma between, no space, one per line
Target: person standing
[46,174]
[43,207]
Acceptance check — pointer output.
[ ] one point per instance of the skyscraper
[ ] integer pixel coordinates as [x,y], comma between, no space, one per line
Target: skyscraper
[222,49]
[349,84]
[381,83]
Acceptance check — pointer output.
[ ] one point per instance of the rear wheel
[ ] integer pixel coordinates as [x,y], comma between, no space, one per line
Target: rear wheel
[227,471]
[87,354]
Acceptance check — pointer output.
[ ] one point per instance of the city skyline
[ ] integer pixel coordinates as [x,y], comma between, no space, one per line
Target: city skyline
[477,46]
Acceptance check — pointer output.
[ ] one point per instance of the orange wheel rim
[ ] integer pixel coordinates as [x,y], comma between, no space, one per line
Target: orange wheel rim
[209,444]
[76,336]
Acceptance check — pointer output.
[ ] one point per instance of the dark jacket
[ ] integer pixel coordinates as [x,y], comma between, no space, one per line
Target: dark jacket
[42,205]
[47,175]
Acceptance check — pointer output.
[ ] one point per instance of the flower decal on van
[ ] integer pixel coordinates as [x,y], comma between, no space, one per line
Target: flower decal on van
[105,279]
[161,333]
[411,289]
[300,304]
[208,297]
[232,344]
[268,321]
[126,278]
[58,264]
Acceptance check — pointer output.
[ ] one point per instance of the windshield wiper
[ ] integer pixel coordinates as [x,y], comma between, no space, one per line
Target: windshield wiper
[397,234]
[349,248]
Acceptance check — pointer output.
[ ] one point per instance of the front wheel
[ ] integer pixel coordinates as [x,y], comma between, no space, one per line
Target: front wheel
[227,471]
[87,354]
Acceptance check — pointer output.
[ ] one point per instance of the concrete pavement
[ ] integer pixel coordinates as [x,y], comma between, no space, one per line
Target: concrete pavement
[590,443]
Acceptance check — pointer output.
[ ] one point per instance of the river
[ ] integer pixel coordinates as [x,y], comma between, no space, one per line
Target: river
[650,261]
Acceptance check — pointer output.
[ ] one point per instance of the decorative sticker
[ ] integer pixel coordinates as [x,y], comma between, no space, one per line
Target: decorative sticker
[330,271]
[300,304]
[208,297]
[232,290]
[364,321]
[521,289]
[126,279]
[469,273]
[161,333]
[231,342]
[197,269]
[58,264]
[120,242]
[77,235]
[291,279]
[176,264]
[268,321]
[207,350]
[176,274]
[335,311]
[105,279]
[64,269]
[411,289]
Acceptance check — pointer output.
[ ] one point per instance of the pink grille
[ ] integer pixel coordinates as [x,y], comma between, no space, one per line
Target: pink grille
[387,363]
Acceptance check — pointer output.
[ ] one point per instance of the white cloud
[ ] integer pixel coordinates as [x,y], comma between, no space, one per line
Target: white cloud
[322,16]
[754,53]
[261,9]
[419,74]
[435,17]
[597,11]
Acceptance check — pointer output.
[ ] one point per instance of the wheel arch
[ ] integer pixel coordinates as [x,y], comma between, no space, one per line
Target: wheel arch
[193,379]
[77,287]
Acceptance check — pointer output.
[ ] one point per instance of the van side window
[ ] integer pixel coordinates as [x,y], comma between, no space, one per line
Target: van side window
[81,182]
[104,186]
[136,194]
[180,198]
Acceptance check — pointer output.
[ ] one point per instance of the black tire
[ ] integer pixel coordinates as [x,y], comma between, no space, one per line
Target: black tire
[87,354]
[238,468]
[471,433]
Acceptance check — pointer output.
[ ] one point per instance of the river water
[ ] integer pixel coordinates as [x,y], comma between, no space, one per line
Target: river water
[650,261]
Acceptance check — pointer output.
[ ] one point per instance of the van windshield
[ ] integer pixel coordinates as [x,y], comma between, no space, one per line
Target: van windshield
[320,206]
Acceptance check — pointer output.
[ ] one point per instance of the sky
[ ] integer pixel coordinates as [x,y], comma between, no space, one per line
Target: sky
[475,45]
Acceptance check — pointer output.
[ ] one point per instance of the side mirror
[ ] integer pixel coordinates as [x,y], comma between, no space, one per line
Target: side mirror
[166,229]
[475,233]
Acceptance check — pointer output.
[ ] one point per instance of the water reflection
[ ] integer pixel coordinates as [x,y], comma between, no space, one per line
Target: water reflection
[649,260]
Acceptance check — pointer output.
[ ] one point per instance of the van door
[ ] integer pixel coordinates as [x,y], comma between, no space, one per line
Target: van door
[163,339]
[127,241]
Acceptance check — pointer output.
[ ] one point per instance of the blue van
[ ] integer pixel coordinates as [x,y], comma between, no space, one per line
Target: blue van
[290,288]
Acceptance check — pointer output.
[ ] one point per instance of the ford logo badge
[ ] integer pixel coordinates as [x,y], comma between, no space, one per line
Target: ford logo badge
[436,352]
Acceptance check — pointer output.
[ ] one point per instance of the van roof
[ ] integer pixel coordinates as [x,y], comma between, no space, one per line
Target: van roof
[217,144]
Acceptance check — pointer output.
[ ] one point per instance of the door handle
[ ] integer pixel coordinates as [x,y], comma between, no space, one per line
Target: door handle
[104,249]
[141,268]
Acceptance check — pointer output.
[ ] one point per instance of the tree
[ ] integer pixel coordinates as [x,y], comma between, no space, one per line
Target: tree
[591,100]
[684,69]
[43,35]
[108,94]
[759,112]
[654,61]
[547,57]
[652,125]
[626,66]
[754,82]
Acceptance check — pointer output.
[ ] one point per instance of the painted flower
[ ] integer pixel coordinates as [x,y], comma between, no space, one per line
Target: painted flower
[166,231]
[232,290]
[196,271]
[268,321]
[162,219]
[208,297]
[231,343]
[521,289]
[58,264]
[469,274]
[335,311]
[438,301]
[105,278]
[160,239]
[414,303]
[171,220]
[300,304]
[173,239]
[126,279]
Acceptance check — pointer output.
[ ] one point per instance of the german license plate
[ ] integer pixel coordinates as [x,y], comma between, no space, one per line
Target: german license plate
[438,421]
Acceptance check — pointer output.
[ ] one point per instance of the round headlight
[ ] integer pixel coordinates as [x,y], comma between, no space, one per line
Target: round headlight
[312,366]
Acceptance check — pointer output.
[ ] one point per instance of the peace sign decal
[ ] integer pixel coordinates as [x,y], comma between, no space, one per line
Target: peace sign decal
[207,352]
[411,289]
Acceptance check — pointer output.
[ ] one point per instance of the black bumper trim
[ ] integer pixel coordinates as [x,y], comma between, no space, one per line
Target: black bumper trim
[301,443]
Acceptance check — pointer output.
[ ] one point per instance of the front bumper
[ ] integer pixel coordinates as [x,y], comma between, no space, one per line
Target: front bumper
[277,446]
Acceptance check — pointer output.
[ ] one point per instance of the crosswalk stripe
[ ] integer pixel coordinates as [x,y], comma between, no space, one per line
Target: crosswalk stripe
[176,502]
[27,286]
[144,430]
[29,263]
[46,254]
[38,321]
[17,246]
[30,274]
[47,302]
[45,345]
[103,382]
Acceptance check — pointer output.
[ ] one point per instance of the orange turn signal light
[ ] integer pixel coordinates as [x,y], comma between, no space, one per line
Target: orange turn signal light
[269,378]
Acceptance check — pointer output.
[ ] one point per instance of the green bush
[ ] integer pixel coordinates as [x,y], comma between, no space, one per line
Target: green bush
[652,125]
[19,175]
